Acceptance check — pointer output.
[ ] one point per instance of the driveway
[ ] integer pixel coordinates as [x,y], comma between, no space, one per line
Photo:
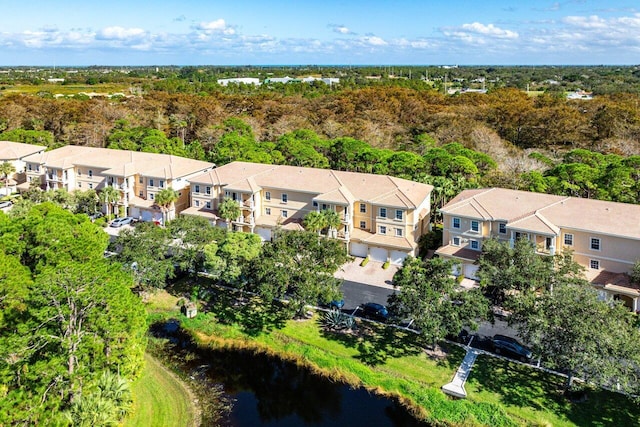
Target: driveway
[113,232]
[371,274]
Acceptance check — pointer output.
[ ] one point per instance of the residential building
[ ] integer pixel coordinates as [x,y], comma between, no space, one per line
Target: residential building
[240,80]
[604,237]
[382,216]
[14,153]
[138,176]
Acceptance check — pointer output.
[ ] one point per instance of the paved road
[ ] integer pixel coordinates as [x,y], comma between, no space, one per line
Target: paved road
[360,293]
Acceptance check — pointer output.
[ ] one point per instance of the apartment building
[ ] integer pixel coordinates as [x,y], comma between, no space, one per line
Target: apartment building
[14,153]
[603,236]
[382,216]
[138,176]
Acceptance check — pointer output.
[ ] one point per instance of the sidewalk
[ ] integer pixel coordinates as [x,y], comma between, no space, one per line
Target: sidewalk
[371,274]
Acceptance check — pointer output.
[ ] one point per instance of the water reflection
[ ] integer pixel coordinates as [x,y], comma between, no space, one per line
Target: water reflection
[266,391]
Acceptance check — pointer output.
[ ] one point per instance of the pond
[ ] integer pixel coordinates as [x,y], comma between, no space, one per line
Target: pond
[266,391]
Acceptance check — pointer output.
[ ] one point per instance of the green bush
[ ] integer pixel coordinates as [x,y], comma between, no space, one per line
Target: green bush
[386,265]
[364,262]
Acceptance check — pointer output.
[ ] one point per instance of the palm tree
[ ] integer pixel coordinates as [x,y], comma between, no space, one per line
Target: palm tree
[331,220]
[314,221]
[229,209]
[165,199]
[6,169]
[109,195]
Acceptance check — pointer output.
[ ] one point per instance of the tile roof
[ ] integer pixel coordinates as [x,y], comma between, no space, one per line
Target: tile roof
[458,252]
[336,185]
[121,162]
[548,213]
[15,150]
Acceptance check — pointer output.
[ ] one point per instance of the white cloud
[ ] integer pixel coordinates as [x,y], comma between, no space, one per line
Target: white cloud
[488,30]
[217,26]
[120,33]
[340,29]
[374,41]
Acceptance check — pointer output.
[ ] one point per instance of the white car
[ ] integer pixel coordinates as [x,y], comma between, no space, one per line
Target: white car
[119,222]
[5,204]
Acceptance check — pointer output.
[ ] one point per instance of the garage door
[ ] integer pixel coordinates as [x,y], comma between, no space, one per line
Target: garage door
[147,216]
[264,233]
[358,249]
[455,270]
[470,271]
[397,257]
[378,254]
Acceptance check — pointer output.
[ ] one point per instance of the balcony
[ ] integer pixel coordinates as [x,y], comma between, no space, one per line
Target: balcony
[247,220]
[246,204]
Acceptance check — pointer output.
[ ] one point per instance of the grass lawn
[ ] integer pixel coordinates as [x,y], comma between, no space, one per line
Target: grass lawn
[392,361]
[160,399]
[70,89]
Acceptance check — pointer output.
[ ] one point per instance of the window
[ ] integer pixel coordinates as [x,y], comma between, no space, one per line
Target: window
[363,208]
[594,264]
[267,195]
[29,167]
[568,239]
[151,196]
[383,212]
[37,168]
[284,213]
[141,194]
[399,214]
[475,226]
[325,207]
[161,184]
[455,222]
[267,211]
[90,173]
[398,232]
[315,204]
[151,183]
[595,244]
[79,185]
[456,241]
[197,189]
[208,190]
[284,198]
[502,228]
[79,172]
[382,229]
[197,203]
[140,180]
[363,224]
[474,244]
[208,205]
[90,185]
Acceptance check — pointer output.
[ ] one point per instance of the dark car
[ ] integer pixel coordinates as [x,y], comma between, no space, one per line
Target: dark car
[336,304]
[511,347]
[375,311]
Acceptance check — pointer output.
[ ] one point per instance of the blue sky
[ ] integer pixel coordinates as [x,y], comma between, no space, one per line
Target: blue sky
[347,32]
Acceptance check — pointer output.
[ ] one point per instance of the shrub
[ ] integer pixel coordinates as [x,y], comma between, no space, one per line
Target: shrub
[364,262]
[386,265]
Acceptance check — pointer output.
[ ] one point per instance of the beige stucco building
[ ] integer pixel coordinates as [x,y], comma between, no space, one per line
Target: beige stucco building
[138,176]
[603,236]
[382,216]
[15,153]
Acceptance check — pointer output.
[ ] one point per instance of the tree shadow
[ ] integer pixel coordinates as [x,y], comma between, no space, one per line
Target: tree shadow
[524,386]
[251,313]
[376,343]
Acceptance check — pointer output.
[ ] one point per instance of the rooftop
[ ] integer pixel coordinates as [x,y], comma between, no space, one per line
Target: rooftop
[15,150]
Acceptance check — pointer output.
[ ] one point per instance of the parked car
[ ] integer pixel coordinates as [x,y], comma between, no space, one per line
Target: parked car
[119,222]
[336,304]
[5,204]
[375,311]
[95,216]
[511,347]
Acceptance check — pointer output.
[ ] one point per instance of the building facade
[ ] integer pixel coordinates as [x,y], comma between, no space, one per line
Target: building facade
[604,237]
[15,153]
[137,176]
[382,217]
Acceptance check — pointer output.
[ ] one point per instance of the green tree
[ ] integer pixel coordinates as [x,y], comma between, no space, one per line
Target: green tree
[191,234]
[229,210]
[228,259]
[299,266]
[110,196]
[143,252]
[429,296]
[573,330]
[314,221]
[165,199]
[331,220]
[6,169]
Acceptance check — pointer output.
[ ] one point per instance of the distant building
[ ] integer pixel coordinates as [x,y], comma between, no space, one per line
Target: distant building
[238,80]
[14,153]
[580,94]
